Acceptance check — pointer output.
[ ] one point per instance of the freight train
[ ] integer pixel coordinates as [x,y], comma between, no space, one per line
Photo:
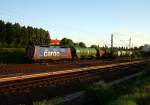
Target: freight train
[51,53]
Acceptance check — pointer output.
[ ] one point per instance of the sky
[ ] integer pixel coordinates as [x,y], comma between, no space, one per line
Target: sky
[89,21]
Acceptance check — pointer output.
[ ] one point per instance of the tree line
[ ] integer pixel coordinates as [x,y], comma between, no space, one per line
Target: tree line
[65,42]
[14,35]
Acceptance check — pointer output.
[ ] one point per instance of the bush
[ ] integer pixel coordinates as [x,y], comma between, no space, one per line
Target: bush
[133,92]
[97,94]
[142,95]
[46,102]
[12,55]
[124,101]
[2,64]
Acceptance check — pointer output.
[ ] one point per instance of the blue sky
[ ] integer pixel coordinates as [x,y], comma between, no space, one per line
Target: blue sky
[90,21]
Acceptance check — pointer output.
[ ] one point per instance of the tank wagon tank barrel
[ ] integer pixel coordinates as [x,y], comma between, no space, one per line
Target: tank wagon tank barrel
[84,52]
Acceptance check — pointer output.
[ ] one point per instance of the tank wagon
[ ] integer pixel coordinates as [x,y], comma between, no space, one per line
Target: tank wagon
[81,53]
[122,53]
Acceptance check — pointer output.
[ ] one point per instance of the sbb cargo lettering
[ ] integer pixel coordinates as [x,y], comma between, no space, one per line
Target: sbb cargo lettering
[48,53]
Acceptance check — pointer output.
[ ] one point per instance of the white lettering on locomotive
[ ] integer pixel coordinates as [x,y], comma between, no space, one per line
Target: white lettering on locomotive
[53,53]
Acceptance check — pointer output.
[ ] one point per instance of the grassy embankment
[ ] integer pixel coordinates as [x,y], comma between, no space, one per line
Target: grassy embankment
[11,56]
[131,92]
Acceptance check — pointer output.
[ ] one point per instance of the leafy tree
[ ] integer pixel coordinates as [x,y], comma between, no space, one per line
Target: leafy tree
[81,44]
[95,46]
[17,36]
[24,40]
[14,35]
[65,42]
[9,30]
[2,32]
[76,45]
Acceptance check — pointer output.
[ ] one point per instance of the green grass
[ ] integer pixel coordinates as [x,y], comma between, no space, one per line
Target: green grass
[11,55]
[2,64]
[55,101]
[131,92]
[136,91]
[97,94]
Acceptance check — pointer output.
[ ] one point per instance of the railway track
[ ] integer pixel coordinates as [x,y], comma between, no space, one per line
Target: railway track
[26,69]
[25,83]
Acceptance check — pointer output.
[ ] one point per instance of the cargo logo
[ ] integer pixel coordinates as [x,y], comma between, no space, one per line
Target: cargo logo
[51,53]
